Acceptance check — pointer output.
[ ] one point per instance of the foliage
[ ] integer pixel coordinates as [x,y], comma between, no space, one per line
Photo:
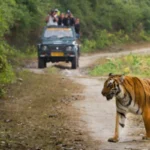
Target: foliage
[130,64]
[101,20]
[111,15]
[89,45]
[104,39]
[6,71]
[144,36]
[20,22]
[24,18]
[7,9]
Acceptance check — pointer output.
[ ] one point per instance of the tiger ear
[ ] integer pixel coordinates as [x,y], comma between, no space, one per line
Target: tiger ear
[122,78]
[110,74]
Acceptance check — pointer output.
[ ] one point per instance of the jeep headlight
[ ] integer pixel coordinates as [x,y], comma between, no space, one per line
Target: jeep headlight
[74,42]
[44,48]
[69,48]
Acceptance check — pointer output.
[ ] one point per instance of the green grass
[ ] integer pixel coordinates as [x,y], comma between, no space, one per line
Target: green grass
[131,64]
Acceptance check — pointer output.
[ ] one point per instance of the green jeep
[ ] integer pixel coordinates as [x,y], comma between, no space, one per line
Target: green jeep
[58,44]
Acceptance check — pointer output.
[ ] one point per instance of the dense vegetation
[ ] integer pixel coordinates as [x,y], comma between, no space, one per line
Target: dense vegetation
[107,22]
[20,22]
[103,23]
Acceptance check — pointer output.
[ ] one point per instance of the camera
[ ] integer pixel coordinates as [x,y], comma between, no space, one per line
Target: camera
[54,19]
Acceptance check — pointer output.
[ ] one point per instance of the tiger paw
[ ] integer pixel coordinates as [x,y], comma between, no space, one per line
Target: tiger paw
[114,140]
[145,138]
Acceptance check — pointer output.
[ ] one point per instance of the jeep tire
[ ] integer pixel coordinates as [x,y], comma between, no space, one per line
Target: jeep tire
[41,62]
[75,62]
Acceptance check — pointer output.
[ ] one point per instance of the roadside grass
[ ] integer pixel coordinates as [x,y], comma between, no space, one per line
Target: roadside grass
[37,114]
[131,64]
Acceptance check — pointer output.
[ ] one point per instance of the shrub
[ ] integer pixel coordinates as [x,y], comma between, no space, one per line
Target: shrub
[144,36]
[102,39]
[7,74]
[88,45]
[3,63]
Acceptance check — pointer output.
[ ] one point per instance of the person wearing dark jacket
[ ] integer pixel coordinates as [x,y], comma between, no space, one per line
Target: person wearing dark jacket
[61,19]
[77,27]
[69,19]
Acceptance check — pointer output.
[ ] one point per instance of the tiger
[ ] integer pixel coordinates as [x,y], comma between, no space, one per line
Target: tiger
[132,94]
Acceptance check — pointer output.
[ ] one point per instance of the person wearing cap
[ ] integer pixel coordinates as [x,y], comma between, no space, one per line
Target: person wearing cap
[57,12]
[68,11]
[69,19]
[52,19]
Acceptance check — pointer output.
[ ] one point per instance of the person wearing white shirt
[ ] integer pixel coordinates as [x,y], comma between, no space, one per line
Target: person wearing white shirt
[52,19]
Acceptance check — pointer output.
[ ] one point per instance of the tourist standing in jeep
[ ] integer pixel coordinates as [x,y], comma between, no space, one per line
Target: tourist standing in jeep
[52,19]
[61,19]
[69,19]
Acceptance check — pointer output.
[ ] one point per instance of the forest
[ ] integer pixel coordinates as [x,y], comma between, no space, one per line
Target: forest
[103,23]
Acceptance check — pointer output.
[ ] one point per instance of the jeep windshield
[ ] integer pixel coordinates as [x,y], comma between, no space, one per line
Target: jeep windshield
[60,33]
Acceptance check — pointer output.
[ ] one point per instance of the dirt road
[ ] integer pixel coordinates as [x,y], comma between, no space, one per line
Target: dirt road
[99,114]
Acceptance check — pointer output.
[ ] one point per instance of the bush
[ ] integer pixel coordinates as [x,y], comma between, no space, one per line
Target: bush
[88,45]
[104,39]
[7,74]
[144,36]
[3,64]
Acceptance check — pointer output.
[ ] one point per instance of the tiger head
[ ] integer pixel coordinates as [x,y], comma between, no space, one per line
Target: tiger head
[112,86]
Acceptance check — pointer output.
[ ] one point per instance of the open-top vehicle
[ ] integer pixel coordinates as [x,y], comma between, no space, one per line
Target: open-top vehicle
[58,44]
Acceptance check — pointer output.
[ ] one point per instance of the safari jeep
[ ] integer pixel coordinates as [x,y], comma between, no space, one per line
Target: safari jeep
[58,44]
